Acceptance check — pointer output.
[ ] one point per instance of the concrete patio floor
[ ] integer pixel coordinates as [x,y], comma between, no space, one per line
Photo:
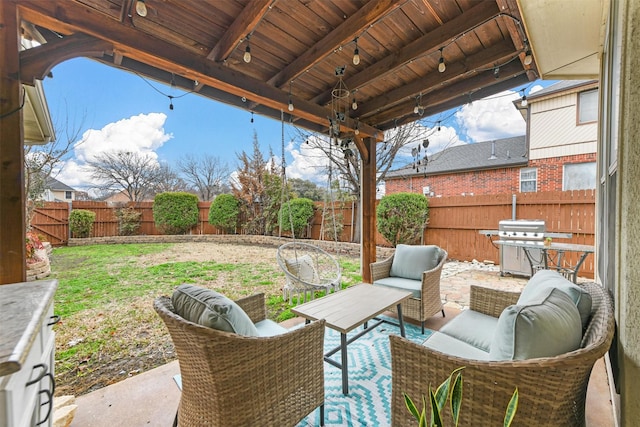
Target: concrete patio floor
[151,398]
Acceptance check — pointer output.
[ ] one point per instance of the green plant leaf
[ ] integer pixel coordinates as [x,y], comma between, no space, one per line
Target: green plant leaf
[436,418]
[423,414]
[456,398]
[411,406]
[512,407]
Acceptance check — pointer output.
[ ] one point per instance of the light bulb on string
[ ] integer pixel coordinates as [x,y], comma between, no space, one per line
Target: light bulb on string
[247,51]
[528,57]
[524,102]
[290,107]
[441,65]
[354,104]
[356,53]
[170,102]
[252,117]
[141,8]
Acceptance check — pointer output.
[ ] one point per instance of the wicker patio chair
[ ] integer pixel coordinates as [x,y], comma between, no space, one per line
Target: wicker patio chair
[552,390]
[234,380]
[430,301]
[307,269]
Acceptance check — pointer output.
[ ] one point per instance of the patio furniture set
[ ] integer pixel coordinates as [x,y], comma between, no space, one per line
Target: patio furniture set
[239,368]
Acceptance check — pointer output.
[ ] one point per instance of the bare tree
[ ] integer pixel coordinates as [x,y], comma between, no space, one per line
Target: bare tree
[43,161]
[134,173]
[168,180]
[206,174]
[345,161]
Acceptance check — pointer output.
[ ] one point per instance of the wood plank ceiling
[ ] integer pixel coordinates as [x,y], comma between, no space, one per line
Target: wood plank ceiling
[295,47]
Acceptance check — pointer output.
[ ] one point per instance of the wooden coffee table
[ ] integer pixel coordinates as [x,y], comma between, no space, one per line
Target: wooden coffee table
[346,310]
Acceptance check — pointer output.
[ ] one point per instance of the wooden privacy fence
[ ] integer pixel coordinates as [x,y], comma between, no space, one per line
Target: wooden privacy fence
[454,222]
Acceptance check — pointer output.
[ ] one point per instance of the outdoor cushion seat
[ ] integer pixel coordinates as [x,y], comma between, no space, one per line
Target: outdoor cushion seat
[415,268]
[538,346]
[230,379]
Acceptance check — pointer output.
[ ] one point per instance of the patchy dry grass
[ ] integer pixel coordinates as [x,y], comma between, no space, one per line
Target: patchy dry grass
[109,330]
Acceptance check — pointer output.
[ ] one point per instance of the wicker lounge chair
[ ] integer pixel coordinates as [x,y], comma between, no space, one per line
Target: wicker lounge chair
[233,380]
[307,269]
[429,302]
[552,390]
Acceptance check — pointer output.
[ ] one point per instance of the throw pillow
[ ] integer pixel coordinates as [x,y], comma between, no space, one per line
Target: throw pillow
[211,309]
[302,267]
[547,327]
[544,279]
[411,261]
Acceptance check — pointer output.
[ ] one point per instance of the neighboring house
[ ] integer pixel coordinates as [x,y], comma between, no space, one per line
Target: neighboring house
[118,197]
[558,153]
[56,191]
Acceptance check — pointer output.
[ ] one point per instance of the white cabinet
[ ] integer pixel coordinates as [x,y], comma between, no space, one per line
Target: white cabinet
[27,354]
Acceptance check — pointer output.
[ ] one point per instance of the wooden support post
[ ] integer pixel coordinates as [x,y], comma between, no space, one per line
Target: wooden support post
[368,211]
[12,195]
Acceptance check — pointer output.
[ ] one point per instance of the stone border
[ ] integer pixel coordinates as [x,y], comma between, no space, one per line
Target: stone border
[340,248]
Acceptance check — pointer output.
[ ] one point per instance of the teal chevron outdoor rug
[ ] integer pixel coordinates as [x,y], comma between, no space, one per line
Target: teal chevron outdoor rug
[368,402]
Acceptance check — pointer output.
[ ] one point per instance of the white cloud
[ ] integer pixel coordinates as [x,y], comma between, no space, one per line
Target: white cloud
[440,138]
[309,162]
[491,118]
[142,134]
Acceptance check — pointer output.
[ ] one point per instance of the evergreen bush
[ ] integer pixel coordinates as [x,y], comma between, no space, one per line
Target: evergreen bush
[129,221]
[299,211]
[81,222]
[175,212]
[224,211]
[402,217]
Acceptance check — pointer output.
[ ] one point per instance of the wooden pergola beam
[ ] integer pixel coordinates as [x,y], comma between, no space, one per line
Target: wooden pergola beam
[345,32]
[368,209]
[126,40]
[13,267]
[247,19]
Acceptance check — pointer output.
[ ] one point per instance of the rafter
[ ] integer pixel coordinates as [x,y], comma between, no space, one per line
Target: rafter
[345,32]
[422,46]
[244,24]
[164,55]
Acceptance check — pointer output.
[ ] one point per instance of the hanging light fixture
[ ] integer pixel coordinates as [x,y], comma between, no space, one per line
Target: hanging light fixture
[141,8]
[496,72]
[441,65]
[356,54]
[528,57]
[247,51]
[354,103]
[339,105]
[418,109]
[290,107]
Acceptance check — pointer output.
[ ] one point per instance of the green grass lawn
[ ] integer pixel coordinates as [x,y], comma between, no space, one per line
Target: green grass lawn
[109,330]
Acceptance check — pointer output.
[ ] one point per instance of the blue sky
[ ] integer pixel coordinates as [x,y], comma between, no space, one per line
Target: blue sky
[118,110]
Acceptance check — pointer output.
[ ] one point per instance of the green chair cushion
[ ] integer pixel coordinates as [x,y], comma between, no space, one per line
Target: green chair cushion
[413,286]
[454,347]
[544,279]
[411,261]
[269,328]
[548,326]
[472,327]
[211,309]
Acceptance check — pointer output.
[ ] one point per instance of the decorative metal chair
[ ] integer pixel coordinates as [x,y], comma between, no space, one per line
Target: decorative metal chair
[235,380]
[307,269]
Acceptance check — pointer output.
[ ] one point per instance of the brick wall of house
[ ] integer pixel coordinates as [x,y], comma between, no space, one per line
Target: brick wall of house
[494,181]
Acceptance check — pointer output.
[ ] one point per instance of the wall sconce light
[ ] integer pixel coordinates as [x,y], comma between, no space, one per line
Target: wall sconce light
[141,8]
[441,65]
[247,51]
[356,54]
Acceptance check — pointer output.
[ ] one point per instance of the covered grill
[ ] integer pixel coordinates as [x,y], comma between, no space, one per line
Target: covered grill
[513,259]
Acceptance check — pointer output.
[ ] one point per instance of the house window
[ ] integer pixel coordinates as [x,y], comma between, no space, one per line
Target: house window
[588,106]
[528,180]
[67,195]
[579,176]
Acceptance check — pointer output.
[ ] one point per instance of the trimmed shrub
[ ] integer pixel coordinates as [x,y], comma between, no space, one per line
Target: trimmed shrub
[402,217]
[300,213]
[175,213]
[224,211]
[81,222]
[129,221]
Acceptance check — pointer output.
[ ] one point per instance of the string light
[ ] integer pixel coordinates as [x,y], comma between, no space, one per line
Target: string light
[441,65]
[252,117]
[354,104]
[496,72]
[141,8]
[528,57]
[247,51]
[170,102]
[290,107]
[524,102]
[356,54]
